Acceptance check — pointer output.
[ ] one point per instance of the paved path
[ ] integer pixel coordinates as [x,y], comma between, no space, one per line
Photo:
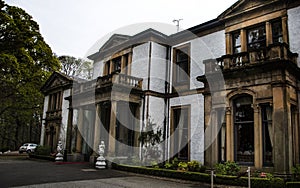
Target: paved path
[22,172]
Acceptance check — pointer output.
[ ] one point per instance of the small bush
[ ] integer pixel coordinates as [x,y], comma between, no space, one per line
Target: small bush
[228,168]
[43,150]
[296,172]
[183,166]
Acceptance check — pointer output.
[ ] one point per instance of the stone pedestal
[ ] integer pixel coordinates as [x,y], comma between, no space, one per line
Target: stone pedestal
[101,163]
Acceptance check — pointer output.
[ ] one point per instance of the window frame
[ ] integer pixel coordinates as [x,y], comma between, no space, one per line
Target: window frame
[262,43]
[176,71]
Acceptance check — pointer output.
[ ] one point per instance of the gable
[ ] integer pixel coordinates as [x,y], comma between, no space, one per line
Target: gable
[57,81]
[113,41]
[244,6]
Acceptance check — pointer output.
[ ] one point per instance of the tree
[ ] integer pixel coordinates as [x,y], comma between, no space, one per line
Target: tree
[72,66]
[26,62]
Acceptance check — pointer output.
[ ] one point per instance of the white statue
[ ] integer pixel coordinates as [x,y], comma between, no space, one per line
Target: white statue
[101,163]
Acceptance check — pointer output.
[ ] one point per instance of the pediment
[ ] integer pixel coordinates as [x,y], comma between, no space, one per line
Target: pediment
[57,80]
[114,40]
[243,6]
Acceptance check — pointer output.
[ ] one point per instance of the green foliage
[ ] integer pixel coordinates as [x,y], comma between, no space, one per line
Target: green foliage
[228,168]
[43,150]
[202,177]
[296,172]
[196,166]
[183,166]
[292,184]
[72,66]
[150,140]
[26,62]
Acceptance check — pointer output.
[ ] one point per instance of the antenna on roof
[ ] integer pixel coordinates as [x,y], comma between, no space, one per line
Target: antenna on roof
[177,23]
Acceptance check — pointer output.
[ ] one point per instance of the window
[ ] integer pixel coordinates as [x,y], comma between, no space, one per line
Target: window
[180,132]
[236,43]
[181,65]
[107,68]
[267,135]
[277,32]
[244,130]
[256,37]
[116,64]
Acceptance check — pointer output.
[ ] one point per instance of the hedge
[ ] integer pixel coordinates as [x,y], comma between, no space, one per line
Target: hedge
[293,184]
[44,157]
[202,177]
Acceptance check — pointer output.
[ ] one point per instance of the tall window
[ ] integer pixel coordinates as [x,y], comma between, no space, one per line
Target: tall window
[236,42]
[107,68]
[267,134]
[181,65]
[256,37]
[277,31]
[180,131]
[116,64]
[244,130]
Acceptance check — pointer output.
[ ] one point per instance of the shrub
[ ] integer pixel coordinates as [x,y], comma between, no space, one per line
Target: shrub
[228,168]
[183,166]
[194,166]
[43,150]
[296,172]
[292,184]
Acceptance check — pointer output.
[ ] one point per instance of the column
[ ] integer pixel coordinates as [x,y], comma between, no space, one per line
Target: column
[284,29]
[129,63]
[112,129]
[229,137]
[228,43]
[243,40]
[269,38]
[296,137]
[280,124]
[257,137]
[79,131]
[97,129]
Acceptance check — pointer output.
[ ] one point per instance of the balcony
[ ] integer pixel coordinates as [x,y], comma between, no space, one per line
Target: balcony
[274,52]
[116,78]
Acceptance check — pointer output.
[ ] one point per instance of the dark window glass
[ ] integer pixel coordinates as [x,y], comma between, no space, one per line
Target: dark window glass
[181,137]
[236,43]
[267,135]
[277,32]
[256,37]
[117,64]
[182,65]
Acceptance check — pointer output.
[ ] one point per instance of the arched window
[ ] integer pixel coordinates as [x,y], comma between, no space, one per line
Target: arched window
[244,129]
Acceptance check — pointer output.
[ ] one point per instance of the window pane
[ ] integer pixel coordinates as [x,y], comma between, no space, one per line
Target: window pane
[236,43]
[182,68]
[117,64]
[257,37]
[277,31]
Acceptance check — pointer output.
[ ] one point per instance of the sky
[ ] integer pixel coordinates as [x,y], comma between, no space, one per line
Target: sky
[79,27]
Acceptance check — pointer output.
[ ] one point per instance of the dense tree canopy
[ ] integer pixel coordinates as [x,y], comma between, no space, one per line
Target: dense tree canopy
[26,61]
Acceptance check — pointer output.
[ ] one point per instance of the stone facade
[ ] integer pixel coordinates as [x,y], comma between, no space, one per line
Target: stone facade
[225,90]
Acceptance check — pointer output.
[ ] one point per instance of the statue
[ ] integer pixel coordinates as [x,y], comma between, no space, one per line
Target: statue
[101,164]
[59,149]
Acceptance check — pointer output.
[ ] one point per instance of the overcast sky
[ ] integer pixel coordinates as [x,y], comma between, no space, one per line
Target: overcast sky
[72,27]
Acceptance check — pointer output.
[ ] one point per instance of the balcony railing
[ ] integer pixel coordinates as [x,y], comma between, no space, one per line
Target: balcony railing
[108,80]
[279,51]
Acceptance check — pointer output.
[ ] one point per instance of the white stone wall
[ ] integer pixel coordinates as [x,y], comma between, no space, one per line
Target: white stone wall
[46,103]
[293,29]
[158,67]
[210,46]
[140,63]
[98,69]
[156,110]
[196,103]
[65,116]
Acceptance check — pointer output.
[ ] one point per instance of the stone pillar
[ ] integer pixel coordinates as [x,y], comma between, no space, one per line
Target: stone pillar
[280,124]
[269,38]
[229,136]
[129,63]
[228,43]
[207,119]
[257,137]
[296,136]
[112,129]
[243,40]
[79,131]
[211,143]
[284,29]
[97,129]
